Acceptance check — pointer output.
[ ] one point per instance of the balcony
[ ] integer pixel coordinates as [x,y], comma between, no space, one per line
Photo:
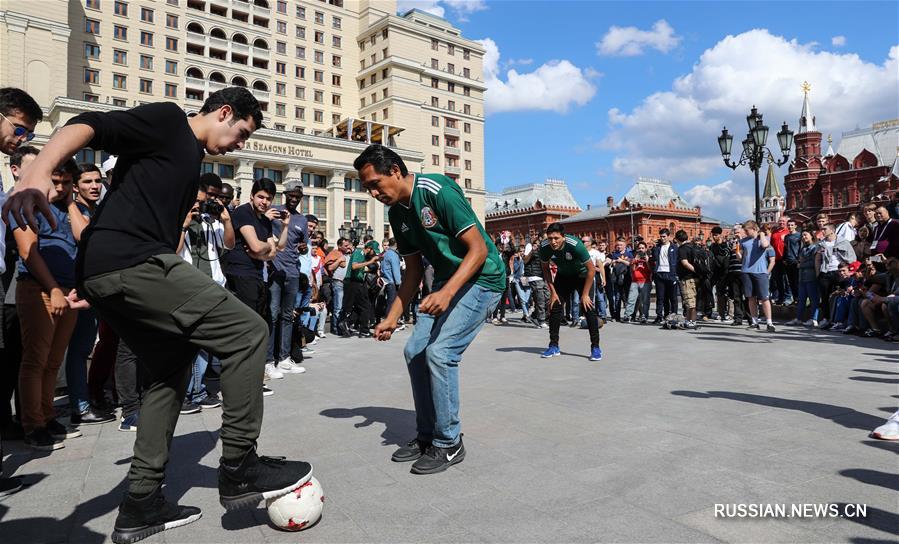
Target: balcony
[261,11]
[193,49]
[217,43]
[452,150]
[194,83]
[196,38]
[451,131]
[240,48]
[219,3]
[216,86]
[260,53]
[454,170]
[262,96]
[197,4]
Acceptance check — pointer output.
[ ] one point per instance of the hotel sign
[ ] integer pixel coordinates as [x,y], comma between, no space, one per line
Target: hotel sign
[289,150]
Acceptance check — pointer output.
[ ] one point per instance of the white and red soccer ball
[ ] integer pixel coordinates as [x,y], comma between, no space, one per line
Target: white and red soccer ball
[299,509]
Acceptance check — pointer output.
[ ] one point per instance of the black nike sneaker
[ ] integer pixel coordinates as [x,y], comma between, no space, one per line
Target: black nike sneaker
[259,478]
[414,449]
[140,517]
[437,459]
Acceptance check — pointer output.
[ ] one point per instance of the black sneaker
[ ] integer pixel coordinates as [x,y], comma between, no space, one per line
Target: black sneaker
[190,408]
[8,486]
[437,459]
[770,327]
[92,416]
[411,451]
[258,478]
[737,323]
[267,391]
[40,439]
[212,401]
[140,517]
[60,432]
[657,321]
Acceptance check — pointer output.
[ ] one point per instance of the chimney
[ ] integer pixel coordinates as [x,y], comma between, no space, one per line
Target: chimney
[610,202]
[588,206]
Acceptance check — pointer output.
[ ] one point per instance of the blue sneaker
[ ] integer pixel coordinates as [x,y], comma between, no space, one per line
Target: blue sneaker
[129,424]
[596,354]
[551,351]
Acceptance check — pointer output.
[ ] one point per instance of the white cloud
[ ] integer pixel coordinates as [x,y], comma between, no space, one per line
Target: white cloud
[727,200]
[673,133]
[838,41]
[554,86]
[630,41]
[461,8]
[518,62]
[430,6]
[466,6]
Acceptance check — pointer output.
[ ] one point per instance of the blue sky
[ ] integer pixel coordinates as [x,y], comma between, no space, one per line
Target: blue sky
[604,91]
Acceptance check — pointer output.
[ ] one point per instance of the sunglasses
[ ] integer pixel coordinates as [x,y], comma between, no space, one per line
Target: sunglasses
[19,131]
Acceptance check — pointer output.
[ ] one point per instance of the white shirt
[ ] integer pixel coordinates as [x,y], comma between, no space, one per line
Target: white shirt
[846,232]
[528,248]
[598,257]
[340,272]
[218,232]
[664,266]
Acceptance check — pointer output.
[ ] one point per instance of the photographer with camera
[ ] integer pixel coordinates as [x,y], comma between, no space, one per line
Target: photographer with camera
[641,285]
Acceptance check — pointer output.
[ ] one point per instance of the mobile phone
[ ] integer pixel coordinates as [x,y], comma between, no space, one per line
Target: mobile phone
[877,258]
[283,214]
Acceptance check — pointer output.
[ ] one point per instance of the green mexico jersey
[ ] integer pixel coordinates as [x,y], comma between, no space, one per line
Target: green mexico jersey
[437,214]
[571,259]
[356,257]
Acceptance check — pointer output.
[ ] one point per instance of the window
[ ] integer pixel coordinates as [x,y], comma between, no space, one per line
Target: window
[171,43]
[119,81]
[121,8]
[146,38]
[300,92]
[299,112]
[281,6]
[384,53]
[335,61]
[319,76]
[374,97]
[435,102]
[301,52]
[384,112]
[92,26]
[435,160]
[319,36]
[335,99]
[335,41]
[319,57]
[435,45]
[171,90]
[466,109]
[468,165]
[281,68]
[281,48]
[362,101]
[466,54]
[92,51]
[466,73]
[172,2]
[319,18]
[301,32]
[467,128]
[171,67]
[450,48]
[146,15]
[435,140]
[347,209]
[435,121]
[319,116]
[434,64]
[280,109]
[362,210]
[335,22]
[319,96]
[435,83]
[146,62]
[384,33]
[466,90]
[281,89]
[384,73]
[451,68]
[451,105]
[93,4]
[281,27]
[468,183]
[88,97]
[335,80]
[301,12]
[450,86]
[466,146]
[146,86]
[119,102]
[301,72]
[374,58]
[91,76]
[384,92]
[119,32]
[171,21]
[226,171]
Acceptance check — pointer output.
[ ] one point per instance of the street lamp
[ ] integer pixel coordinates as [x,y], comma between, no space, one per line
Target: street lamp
[754,149]
[352,234]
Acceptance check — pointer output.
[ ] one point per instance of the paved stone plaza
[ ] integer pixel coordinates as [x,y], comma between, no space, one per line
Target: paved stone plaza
[637,448]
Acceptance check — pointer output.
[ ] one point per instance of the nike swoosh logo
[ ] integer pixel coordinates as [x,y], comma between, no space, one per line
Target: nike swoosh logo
[453,456]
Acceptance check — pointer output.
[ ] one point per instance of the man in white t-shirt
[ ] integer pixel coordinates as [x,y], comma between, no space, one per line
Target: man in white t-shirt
[599,261]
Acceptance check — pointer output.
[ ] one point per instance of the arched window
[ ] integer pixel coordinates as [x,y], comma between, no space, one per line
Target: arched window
[260,43]
[218,33]
[194,72]
[238,81]
[217,77]
[239,38]
[260,85]
[195,28]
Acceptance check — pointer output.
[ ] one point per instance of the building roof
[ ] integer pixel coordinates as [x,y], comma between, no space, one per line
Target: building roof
[772,187]
[551,193]
[881,139]
[707,219]
[806,118]
[654,192]
[594,212]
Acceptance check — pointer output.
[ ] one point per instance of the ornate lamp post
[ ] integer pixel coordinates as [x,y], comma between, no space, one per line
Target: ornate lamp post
[754,151]
[353,233]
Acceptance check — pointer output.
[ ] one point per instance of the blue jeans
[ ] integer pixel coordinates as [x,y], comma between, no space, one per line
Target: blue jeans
[283,290]
[196,389]
[303,299]
[602,305]
[524,294]
[433,353]
[80,345]
[807,290]
[575,303]
[336,303]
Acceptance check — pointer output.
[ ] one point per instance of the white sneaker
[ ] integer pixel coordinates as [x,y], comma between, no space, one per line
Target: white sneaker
[825,323]
[272,372]
[495,321]
[307,350]
[287,366]
[544,325]
[401,327]
[811,323]
[320,334]
[793,322]
[267,392]
[889,430]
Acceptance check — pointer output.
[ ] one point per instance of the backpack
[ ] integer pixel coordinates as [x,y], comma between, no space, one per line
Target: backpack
[701,261]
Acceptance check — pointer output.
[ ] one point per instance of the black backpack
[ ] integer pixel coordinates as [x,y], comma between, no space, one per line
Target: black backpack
[701,261]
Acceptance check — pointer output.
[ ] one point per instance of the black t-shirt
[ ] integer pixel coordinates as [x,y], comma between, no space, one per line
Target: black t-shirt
[239,262]
[685,251]
[153,187]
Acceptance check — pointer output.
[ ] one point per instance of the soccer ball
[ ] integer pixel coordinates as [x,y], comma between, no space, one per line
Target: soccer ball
[299,509]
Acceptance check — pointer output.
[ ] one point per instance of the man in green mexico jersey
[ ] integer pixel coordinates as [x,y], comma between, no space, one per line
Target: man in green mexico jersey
[574,272]
[430,218]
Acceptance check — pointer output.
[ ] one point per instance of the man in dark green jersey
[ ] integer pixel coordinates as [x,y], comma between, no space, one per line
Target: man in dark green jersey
[431,218]
[574,272]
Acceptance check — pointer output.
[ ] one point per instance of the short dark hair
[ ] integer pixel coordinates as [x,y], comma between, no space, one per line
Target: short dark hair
[68,166]
[382,159]
[264,184]
[21,152]
[341,240]
[681,236]
[717,230]
[12,99]
[556,227]
[227,187]
[241,101]
[666,232]
[620,239]
[84,168]
[210,179]
[391,242]
[311,219]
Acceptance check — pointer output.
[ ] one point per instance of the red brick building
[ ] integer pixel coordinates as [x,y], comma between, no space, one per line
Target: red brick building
[523,209]
[864,168]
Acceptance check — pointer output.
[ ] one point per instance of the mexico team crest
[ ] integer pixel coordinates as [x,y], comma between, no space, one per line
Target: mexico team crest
[428,217]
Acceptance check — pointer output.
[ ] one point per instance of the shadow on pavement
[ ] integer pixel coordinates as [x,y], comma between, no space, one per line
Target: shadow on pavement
[874,379]
[876,518]
[872,371]
[847,417]
[872,477]
[885,445]
[399,424]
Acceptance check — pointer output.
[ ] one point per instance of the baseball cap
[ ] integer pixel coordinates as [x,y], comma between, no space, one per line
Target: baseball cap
[374,246]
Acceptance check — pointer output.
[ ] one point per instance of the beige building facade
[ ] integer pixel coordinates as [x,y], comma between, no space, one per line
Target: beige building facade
[332,76]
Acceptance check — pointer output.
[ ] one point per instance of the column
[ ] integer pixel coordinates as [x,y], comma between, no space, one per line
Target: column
[349,128]
[243,179]
[294,173]
[335,203]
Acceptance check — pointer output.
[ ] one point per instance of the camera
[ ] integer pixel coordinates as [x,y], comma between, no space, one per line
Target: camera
[211,207]
[641,255]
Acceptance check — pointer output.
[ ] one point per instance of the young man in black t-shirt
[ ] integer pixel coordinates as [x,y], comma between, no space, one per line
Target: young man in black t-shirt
[165,309]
